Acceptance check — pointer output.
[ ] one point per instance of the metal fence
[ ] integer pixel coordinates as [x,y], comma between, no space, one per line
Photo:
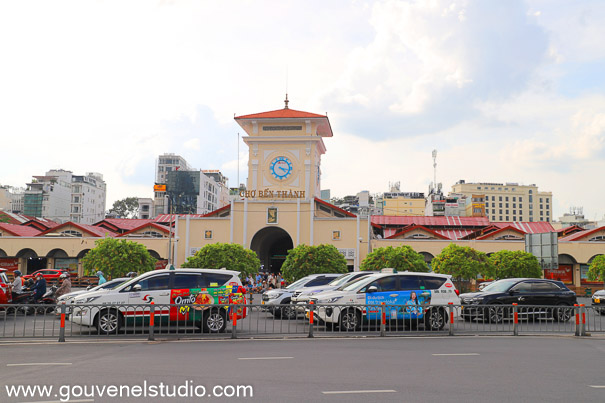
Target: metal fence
[302,320]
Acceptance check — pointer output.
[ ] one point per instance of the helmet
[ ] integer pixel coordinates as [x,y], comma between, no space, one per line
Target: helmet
[63,275]
[17,273]
[39,275]
[132,274]
[99,273]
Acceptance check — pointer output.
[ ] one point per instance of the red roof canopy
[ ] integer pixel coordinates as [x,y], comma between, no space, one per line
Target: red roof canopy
[281,114]
[19,230]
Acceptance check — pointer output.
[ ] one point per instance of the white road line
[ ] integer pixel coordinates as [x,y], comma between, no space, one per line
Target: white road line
[38,364]
[597,386]
[63,401]
[348,392]
[456,354]
[265,358]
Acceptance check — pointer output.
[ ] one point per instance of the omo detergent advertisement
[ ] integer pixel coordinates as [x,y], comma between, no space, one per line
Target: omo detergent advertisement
[399,304]
[201,297]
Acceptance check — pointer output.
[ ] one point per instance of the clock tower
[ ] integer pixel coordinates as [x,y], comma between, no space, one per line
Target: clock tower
[285,149]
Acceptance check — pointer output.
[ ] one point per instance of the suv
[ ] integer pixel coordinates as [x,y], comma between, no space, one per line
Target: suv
[411,297]
[280,296]
[501,294]
[5,288]
[185,287]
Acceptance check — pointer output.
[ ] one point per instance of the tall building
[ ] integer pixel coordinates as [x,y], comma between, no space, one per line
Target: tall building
[220,189]
[61,196]
[5,199]
[17,196]
[166,163]
[88,198]
[506,202]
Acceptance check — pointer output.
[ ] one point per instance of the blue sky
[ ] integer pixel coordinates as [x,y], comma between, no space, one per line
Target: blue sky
[509,91]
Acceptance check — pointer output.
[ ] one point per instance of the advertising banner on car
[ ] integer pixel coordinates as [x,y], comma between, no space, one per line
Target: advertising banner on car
[193,301]
[399,304]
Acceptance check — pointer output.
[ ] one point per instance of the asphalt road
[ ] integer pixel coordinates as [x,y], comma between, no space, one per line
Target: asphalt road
[406,369]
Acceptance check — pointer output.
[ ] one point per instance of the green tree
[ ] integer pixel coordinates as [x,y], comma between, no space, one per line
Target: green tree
[510,264]
[304,260]
[228,255]
[461,262]
[596,270]
[116,257]
[400,258]
[126,208]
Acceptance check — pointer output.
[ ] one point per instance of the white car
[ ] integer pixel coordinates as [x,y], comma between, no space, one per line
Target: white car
[130,302]
[302,296]
[273,298]
[70,297]
[409,297]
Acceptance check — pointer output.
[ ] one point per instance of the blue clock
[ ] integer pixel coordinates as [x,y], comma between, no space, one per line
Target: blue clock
[281,168]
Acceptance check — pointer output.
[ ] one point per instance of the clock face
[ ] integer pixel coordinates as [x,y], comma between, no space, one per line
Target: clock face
[281,168]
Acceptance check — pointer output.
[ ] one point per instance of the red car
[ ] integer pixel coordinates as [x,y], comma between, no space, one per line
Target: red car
[5,288]
[48,274]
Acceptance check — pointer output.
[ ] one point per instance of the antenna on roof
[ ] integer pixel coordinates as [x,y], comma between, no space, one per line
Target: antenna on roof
[286,101]
[435,167]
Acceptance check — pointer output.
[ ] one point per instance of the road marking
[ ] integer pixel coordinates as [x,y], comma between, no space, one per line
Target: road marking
[63,401]
[38,363]
[348,392]
[597,386]
[265,358]
[456,354]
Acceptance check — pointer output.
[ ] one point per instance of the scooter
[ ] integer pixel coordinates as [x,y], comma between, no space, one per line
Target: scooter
[26,299]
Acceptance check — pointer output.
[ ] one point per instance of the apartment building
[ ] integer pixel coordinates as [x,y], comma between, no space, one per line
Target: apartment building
[403,203]
[88,198]
[168,162]
[505,202]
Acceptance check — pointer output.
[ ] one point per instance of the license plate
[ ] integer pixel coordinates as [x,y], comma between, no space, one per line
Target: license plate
[597,300]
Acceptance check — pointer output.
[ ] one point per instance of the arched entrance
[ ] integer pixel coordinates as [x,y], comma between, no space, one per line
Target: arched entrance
[271,245]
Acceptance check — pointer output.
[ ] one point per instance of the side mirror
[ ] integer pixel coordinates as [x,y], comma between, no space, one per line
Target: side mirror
[136,287]
[513,292]
[373,289]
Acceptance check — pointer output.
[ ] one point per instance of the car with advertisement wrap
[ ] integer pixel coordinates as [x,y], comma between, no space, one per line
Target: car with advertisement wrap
[412,298]
[201,297]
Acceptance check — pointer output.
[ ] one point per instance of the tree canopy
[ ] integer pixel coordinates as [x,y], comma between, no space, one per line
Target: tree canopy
[510,264]
[461,262]
[126,208]
[228,255]
[401,258]
[116,257]
[596,270]
[304,260]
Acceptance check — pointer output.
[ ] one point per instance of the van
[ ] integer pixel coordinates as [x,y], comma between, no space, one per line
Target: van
[176,294]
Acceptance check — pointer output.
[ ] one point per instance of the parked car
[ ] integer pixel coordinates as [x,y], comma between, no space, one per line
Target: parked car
[194,289]
[273,298]
[48,274]
[598,301]
[540,294]
[70,297]
[413,298]
[5,288]
[302,296]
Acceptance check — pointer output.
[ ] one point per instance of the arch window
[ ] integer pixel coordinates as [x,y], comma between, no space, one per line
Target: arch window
[71,232]
[599,238]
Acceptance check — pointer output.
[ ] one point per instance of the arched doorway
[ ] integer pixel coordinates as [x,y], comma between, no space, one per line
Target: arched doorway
[271,245]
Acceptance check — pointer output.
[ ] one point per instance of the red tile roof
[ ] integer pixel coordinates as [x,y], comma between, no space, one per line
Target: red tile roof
[330,205]
[281,114]
[528,227]
[580,235]
[508,227]
[19,230]
[454,234]
[412,227]
[122,224]
[91,230]
[151,225]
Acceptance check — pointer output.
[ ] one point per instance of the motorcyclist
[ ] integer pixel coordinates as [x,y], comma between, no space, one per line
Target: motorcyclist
[132,274]
[65,285]
[39,288]
[17,283]
[101,278]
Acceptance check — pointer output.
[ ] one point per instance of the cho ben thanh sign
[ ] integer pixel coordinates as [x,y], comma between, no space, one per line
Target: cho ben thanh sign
[272,194]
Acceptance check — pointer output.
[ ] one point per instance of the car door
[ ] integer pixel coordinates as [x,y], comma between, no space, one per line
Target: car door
[154,288]
[544,293]
[386,291]
[522,294]
[185,288]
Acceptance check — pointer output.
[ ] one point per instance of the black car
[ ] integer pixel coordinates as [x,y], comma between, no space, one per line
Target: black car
[534,297]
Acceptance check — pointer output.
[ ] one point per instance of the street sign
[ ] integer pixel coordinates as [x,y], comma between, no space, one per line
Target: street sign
[545,247]
[159,188]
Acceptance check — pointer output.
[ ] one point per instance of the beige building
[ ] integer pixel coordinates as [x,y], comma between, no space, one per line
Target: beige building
[403,203]
[509,202]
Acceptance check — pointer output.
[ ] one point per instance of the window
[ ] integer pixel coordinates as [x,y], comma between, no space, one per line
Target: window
[336,235]
[541,207]
[530,191]
[385,284]
[409,283]
[506,211]
[540,200]
[493,218]
[514,218]
[71,232]
[493,198]
[479,187]
[514,198]
[543,286]
[319,281]
[520,199]
[506,218]
[514,205]
[187,281]
[433,283]
[506,198]
[500,198]
[500,211]
[506,205]
[520,206]
[500,218]
[159,282]
[215,279]
[523,286]
[500,205]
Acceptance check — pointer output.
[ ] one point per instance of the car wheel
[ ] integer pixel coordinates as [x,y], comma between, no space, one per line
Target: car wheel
[495,314]
[214,321]
[435,319]
[563,313]
[350,320]
[109,321]
[288,312]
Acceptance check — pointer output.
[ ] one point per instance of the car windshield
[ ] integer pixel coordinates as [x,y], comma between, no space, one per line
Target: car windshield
[340,280]
[352,285]
[297,284]
[500,286]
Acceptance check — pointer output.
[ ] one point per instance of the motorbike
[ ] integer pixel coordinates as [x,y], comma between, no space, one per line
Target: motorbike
[25,303]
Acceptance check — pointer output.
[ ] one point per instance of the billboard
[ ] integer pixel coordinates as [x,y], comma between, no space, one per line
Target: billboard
[545,247]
